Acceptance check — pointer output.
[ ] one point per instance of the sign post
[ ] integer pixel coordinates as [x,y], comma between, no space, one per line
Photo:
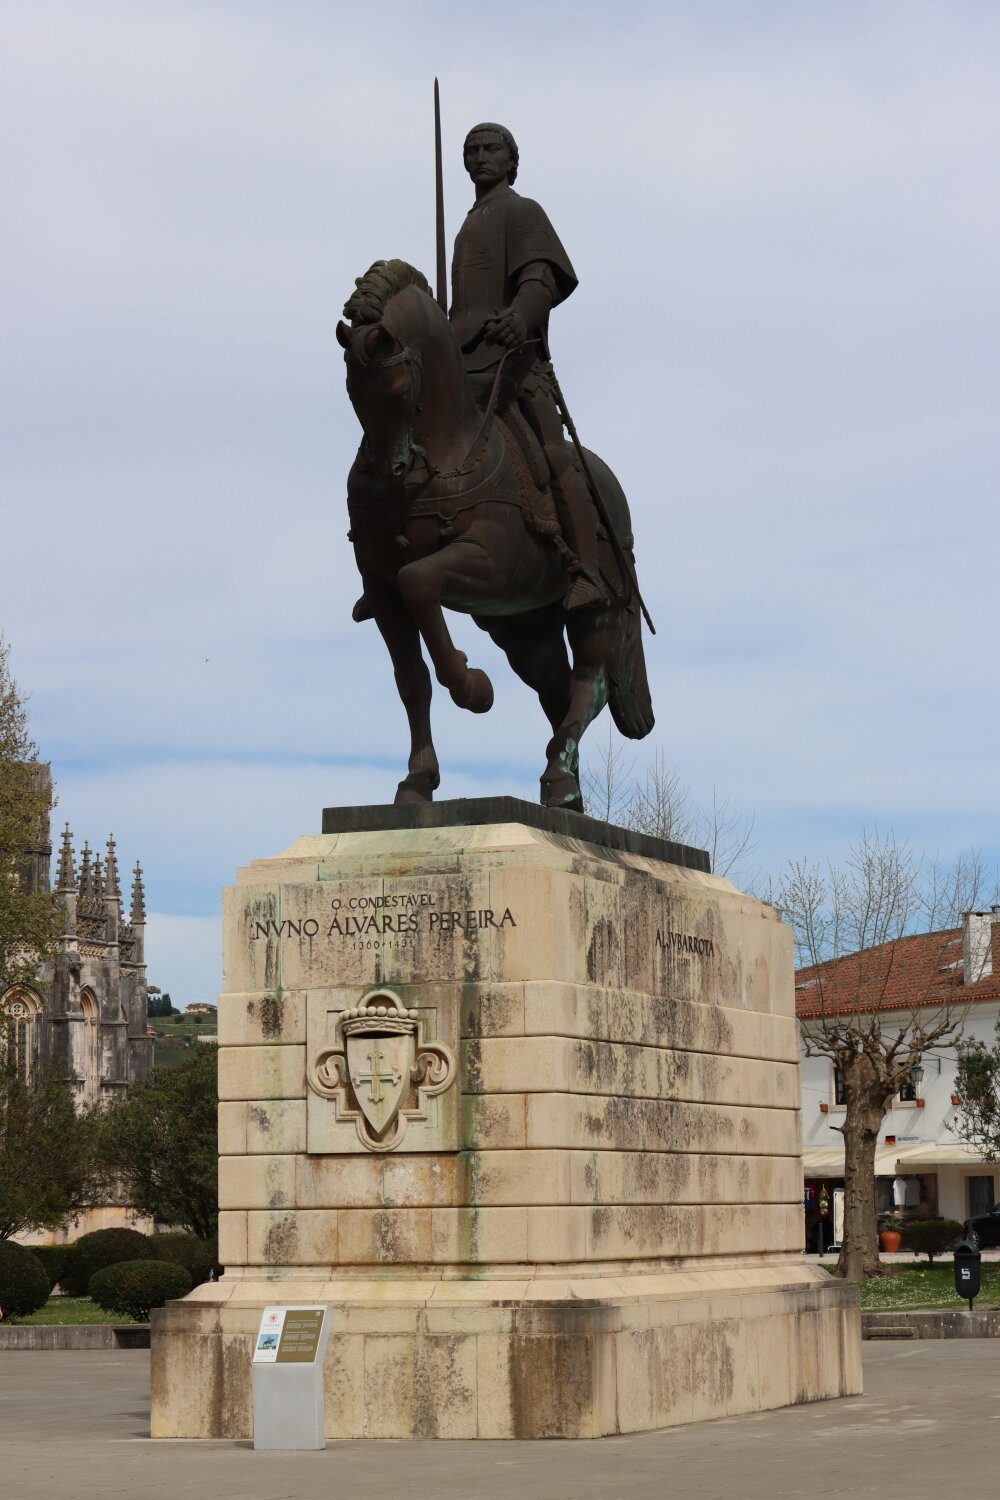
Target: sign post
[288,1377]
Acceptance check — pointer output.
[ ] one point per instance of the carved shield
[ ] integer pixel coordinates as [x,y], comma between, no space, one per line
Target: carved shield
[379,1065]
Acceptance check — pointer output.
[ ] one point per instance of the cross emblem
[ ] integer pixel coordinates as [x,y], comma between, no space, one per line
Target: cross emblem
[386,1072]
[375,1076]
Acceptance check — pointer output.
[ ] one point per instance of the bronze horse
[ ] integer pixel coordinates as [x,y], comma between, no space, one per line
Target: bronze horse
[449,510]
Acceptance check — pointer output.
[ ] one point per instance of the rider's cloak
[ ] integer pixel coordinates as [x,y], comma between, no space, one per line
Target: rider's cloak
[502,234]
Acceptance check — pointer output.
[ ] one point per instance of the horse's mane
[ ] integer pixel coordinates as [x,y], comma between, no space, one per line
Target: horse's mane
[377,287]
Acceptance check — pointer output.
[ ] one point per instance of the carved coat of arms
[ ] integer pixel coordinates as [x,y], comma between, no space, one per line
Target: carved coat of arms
[385,1071]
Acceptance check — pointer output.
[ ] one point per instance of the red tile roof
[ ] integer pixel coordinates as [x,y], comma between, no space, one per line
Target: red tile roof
[925,969]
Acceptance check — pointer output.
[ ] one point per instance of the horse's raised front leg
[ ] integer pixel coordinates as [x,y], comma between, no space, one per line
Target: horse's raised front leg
[592,634]
[413,683]
[459,574]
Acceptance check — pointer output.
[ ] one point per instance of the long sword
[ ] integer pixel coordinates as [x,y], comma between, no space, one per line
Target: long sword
[625,562]
[442,272]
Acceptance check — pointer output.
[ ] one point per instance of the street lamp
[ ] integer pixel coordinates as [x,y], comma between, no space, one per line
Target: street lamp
[916,1074]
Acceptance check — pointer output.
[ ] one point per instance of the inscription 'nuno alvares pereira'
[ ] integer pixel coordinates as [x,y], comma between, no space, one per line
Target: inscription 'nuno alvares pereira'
[359,916]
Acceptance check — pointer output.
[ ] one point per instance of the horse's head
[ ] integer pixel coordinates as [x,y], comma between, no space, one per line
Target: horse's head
[404,370]
[385,362]
[384,382]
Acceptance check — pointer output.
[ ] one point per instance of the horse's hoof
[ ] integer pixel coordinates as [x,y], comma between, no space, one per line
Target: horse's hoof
[562,791]
[474,692]
[419,788]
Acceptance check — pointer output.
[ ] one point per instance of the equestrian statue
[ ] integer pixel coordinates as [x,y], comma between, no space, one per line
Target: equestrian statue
[466,493]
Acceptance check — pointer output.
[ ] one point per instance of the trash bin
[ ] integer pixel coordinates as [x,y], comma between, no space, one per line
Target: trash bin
[967,1270]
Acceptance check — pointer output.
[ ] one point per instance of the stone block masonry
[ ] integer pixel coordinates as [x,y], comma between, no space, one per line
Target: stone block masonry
[523,1109]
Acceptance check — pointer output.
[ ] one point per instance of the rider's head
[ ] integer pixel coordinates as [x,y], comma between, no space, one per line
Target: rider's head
[490,153]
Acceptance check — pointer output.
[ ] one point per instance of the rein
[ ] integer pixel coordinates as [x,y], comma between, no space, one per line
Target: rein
[466,467]
[414,362]
[413,359]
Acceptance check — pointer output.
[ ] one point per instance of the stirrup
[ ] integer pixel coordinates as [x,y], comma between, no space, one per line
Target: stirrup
[583,593]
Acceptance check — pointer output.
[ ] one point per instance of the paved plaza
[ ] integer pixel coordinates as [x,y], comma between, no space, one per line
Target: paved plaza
[74,1425]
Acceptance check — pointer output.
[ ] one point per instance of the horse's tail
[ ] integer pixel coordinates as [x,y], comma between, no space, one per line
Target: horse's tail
[628,687]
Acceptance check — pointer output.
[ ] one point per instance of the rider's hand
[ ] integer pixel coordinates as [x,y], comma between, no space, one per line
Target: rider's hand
[508,328]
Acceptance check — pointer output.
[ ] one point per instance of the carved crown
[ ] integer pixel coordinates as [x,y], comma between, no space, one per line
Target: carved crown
[375,1015]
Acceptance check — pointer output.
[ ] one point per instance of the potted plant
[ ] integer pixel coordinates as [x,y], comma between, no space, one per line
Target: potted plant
[890,1234]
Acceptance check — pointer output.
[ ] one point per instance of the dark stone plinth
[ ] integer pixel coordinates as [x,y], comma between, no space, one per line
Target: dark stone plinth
[467,812]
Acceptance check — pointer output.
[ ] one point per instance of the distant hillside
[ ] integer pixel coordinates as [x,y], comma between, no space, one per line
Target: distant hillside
[176,1035]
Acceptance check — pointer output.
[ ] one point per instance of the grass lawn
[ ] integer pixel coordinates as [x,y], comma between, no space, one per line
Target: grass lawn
[925,1286]
[73,1310]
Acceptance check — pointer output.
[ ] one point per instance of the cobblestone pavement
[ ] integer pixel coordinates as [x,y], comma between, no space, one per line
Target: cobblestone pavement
[73,1426]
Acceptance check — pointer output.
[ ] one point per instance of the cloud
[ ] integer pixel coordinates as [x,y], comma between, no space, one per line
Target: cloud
[192,826]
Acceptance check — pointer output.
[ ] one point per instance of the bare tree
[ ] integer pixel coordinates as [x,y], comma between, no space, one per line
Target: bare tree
[655,801]
[660,804]
[607,780]
[870,999]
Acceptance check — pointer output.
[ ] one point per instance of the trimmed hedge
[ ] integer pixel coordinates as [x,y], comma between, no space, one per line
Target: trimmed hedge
[931,1237]
[24,1281]
[197,1256]
[134,1287]
[55,1259]
[104,1247]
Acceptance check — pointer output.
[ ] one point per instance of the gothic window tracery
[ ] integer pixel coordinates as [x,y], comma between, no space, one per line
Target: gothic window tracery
[18,1011]
[91,1013]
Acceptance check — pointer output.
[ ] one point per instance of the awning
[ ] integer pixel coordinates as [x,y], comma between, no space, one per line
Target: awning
[949,1154]
[828,1161]
[825,1161]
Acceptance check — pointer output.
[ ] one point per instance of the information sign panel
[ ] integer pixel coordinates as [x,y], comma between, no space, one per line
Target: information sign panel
[288,1377]
[299,1341]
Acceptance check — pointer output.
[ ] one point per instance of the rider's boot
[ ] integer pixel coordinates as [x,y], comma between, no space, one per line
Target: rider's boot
[586,587]
[362,610]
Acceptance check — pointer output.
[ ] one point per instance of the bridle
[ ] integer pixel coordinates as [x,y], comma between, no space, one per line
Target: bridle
[402,458]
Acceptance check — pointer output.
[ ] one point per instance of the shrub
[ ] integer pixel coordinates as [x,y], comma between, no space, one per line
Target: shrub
[931,1237]
[134,1287]
[104,1247]
[24,1281]
[55,1259]
[197,1256]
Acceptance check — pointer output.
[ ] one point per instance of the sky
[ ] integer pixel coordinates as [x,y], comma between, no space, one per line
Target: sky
[786,227]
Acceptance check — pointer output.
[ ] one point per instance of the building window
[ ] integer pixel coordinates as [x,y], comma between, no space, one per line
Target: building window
[17,1014]
[91,1013]
[839,1096]
[982,1195]
[908,1092]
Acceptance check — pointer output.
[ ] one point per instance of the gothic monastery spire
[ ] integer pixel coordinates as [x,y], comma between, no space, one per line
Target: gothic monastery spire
[138,896]
[112,886]
[86,875]
[65,874]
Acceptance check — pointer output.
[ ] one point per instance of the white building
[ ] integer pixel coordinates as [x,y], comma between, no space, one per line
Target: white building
[921,1170]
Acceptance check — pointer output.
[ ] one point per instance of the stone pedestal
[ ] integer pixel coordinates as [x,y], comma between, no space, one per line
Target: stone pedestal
[522,1108]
